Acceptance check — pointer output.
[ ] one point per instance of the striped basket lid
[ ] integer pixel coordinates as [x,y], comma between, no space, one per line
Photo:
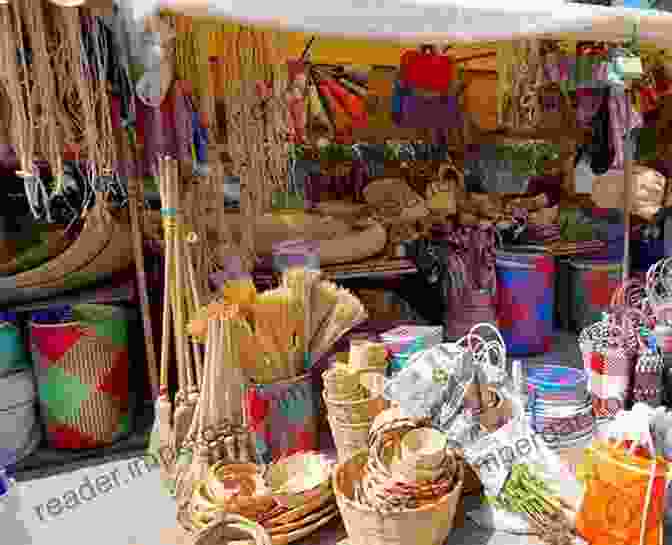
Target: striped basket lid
[10,317]
[53,315]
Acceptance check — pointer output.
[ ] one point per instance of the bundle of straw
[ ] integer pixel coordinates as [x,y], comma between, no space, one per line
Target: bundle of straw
[345,311]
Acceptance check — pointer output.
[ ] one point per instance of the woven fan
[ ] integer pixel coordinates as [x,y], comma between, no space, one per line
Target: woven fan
[301,282]
[347,313]
[276,327]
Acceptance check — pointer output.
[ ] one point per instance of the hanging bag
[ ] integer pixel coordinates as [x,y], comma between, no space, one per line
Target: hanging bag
[647,384]
[608,364]
[427,69]
[624,497]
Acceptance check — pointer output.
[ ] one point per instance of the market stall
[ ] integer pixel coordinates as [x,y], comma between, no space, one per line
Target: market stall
[283,406]
[394,476]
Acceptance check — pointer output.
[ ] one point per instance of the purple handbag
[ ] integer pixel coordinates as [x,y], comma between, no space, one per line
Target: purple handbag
[430,112]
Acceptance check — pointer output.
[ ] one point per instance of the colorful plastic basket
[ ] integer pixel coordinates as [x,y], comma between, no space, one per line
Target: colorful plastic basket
[525,297]
[82,371]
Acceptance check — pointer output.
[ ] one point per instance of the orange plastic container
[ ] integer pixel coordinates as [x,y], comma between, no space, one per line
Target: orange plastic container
[615,501]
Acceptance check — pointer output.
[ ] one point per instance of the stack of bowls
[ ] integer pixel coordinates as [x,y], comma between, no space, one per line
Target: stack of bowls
[421,455]
[351,408]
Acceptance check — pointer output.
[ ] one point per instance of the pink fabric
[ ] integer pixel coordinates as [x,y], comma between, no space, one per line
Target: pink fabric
[622,119]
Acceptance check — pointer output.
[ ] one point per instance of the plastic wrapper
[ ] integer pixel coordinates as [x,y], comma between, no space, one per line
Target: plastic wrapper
[493,456]
[435,380]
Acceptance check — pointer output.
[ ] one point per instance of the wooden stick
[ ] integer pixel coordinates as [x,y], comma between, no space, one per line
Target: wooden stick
[167,317]
[135,192]
[627,197]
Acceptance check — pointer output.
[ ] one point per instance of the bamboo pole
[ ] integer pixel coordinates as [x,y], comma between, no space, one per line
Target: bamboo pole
[135,198]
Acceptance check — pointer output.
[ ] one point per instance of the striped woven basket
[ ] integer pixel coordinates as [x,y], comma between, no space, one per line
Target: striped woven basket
[82,373]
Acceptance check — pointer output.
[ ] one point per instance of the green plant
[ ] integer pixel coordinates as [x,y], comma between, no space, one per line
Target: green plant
[392,152]
[528,158]
[336,153]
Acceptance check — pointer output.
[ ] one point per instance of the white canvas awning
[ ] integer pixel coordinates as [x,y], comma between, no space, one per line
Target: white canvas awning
[430,20]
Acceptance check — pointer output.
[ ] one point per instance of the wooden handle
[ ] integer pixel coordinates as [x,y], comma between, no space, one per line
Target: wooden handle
[134,200]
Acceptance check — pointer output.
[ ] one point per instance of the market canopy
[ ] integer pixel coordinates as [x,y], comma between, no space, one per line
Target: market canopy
[431,20]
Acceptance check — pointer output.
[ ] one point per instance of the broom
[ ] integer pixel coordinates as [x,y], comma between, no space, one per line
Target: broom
[272,317]
[196,471]
[164,408]
[183,410]
[300,282]
[216,419]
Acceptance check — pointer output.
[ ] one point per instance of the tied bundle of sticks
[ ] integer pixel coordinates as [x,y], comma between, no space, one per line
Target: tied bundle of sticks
[181,299]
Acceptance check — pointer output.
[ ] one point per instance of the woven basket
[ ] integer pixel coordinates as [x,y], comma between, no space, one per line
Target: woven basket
[339,169]
[428,525]
[526,290]
[19,427]
[276,411]
[12,348]
[476,307]
[229,529]
[349,438]
[82,374]
[100,230]
[354,412]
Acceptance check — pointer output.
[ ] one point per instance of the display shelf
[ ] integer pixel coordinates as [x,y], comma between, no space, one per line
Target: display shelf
[45,461]
[119,293]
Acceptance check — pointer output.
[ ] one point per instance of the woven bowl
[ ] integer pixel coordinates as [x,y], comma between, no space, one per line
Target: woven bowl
[295,479]
[341,384]
[429,524]
[423,447]
[237,488]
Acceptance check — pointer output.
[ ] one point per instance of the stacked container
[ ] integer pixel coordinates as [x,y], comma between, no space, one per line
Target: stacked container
[525,297]
[19,427]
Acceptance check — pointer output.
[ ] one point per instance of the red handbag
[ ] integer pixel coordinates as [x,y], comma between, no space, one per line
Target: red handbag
[428,70]
[648,97]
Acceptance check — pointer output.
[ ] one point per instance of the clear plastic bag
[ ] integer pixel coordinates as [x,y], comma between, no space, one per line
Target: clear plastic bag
[433,378]
[494,455]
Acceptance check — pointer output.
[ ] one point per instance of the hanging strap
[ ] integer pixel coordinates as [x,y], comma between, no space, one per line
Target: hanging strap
[647,503]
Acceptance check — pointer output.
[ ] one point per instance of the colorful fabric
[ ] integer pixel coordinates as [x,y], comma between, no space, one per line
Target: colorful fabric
[82,373]
[166,130]
[282,418]
[622,119]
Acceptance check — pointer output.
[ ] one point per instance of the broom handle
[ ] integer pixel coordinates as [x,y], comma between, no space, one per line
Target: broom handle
[134,192]
[198,360]
[165,334]
[177,300]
